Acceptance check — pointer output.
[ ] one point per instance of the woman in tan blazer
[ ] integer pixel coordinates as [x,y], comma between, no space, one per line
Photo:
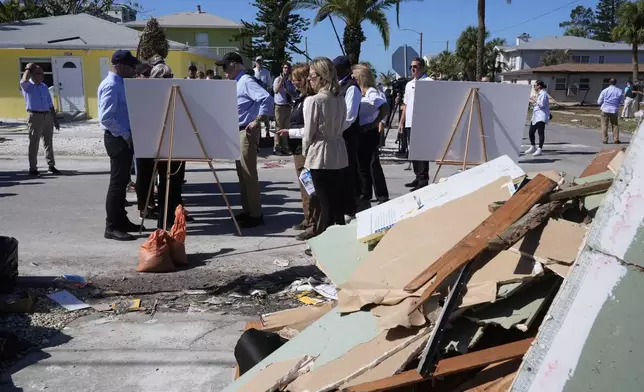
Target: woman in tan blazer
[322,142]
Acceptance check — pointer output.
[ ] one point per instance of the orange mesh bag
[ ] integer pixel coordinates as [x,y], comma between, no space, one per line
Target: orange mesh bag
[154,254]
[177,237]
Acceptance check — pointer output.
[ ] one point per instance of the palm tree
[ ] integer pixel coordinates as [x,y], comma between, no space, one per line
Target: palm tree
[387,78]
[467,50]
[353,13]
[494,67]
[480,45]
[631,29]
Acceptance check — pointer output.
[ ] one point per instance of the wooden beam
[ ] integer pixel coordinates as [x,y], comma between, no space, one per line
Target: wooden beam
[477,240]
[582,190]
[449,366]
[533,219]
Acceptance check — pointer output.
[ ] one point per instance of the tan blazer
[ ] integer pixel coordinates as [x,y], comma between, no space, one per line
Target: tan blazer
[322,142]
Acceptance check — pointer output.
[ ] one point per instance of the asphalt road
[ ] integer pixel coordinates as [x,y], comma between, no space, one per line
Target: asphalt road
[59,220]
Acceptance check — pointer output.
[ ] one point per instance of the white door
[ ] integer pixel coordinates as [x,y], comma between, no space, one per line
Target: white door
[68,78]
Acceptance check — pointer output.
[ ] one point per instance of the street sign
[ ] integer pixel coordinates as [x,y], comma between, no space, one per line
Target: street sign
[401,58]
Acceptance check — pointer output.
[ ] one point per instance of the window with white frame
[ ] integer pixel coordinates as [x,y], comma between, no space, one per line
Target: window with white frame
[584,83]
[513,62]
[560,83]
[44,63]
[201,39]
[601,60]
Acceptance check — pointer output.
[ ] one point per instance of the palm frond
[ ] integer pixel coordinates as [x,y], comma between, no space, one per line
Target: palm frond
[378,18]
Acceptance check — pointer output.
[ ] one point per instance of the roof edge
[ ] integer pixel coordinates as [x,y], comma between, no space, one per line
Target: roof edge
[166,26]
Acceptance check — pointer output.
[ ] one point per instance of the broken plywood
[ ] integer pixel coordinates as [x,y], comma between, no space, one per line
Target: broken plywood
[616,163]
[600,162]
[278,375]
[297,318]
[401,255]
[556,242]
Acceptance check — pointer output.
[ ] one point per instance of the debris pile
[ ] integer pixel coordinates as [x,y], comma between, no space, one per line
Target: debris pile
[445,286]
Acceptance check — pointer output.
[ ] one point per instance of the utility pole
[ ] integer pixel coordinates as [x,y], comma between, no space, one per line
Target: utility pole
[421,39]
[447,46]
[306,48]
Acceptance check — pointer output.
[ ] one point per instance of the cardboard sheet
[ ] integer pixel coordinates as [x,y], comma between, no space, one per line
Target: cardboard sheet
[437,105]
[413,244]
[390,366]
[277,375]
[375,221]
[392,316]
[616,162]
[212,106]
[556,242]
[357,361]
[298,318]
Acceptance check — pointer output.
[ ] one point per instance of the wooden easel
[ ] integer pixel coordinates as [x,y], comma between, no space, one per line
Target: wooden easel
[475,100]
[169,113]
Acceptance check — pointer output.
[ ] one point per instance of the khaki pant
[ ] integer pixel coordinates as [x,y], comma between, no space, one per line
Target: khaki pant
[309,204]
[612,118]
[40,125]
[282,121]
[247,172]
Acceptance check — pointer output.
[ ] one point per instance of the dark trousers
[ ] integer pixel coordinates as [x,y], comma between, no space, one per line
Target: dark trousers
[371,174]
[120,155]
[330,193]
[177,174]
[538,127]
[421,168]
[352,178]
[144,168]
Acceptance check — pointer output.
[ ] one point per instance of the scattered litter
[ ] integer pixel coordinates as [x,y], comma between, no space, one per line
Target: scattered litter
[237,295]
[195,292]
[281,263]
[67,300]
[102,307]
[154,307]
[135,304]
[327,291]
[575,120]
[259,293]
[307,300]
[75,280]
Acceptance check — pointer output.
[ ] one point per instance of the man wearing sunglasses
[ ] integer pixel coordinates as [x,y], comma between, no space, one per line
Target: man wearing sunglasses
[254,104]
[421,168]
[42,117]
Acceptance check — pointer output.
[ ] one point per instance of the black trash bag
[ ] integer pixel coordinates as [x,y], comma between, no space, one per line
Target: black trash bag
[8,263]
[253,346]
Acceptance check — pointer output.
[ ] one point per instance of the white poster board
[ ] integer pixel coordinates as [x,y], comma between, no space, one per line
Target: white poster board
[437,105]
[212,104]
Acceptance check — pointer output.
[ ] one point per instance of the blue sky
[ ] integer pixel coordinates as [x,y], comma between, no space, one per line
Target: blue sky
[440,21]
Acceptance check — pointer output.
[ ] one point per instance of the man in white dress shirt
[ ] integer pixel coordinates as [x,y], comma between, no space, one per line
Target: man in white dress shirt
[421,168]
[610,99]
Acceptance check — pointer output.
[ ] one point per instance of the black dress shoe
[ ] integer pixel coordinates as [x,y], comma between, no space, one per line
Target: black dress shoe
[251,222]
[412,184]
[34,173]
[53,170]
[118,235]
[420,185]
[130,227]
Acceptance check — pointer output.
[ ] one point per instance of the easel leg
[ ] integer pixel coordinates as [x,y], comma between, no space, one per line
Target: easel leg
[478,105]
[156,159]
[469,128]
[168,171]
[207,158]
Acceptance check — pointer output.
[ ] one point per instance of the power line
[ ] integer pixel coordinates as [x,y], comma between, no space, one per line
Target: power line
[536,17]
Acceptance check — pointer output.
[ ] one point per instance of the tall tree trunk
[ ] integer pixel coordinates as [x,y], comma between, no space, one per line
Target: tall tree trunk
[480,44]
[353,39]
[636,64]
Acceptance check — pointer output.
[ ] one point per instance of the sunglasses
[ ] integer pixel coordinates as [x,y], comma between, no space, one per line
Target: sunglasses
[414,66]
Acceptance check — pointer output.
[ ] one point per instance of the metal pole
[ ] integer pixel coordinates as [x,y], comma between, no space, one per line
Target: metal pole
[447,45]
[405,58]
[306,48]
[421,45]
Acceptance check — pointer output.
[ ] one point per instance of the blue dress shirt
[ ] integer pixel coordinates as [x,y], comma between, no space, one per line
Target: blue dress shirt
[252,100]
[37,97]
[610,99]
[112,106]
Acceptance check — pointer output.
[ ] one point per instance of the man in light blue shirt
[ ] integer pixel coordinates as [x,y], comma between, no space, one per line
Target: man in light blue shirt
[610,99]
[254,104]
[285,94]
[113,118]
[41,119]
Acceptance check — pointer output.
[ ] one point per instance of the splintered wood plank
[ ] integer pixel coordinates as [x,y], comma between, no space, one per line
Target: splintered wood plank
[586,189]
[600,162]
[477,240]
[449,366]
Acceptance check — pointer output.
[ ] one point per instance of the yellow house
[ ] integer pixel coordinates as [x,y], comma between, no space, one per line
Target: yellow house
[75,52]
[199,29]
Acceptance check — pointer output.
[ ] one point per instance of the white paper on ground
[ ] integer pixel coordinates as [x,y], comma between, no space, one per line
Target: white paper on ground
[437,105]
[380,218]
[212,106]
[327,291]
[67,300]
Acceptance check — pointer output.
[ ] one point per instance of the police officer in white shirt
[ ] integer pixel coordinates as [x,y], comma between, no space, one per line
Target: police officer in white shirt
[421,168]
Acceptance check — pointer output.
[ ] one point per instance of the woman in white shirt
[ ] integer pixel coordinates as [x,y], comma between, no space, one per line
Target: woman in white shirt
[373,109]
[540,117]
